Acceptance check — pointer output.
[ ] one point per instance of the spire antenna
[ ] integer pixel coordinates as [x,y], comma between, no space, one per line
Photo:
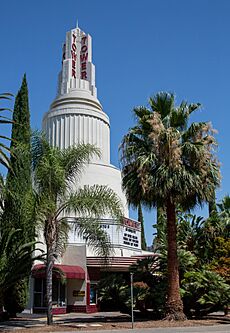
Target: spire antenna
[77,24]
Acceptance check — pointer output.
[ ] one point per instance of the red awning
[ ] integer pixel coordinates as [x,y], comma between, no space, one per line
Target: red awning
[70,272]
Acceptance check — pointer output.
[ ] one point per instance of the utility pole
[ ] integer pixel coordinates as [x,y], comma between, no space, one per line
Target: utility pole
[131,288]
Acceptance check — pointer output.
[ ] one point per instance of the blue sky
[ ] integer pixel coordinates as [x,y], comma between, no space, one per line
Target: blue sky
[139,48]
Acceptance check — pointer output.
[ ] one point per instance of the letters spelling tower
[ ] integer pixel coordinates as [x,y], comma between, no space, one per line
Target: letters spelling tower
[76,116]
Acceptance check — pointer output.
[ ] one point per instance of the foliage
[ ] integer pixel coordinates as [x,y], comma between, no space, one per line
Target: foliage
[4,159]
[144,270]
[16,212]
[112,292]
[148,272]
[15,259]
[207,239]
[16,298]
[56,173]
[221,258]
[186,256]
[203,246]
[18,181]
[141,296]
[224,206]
[141,220]
[204,292]
[161,155]
[2,194]
[166,163]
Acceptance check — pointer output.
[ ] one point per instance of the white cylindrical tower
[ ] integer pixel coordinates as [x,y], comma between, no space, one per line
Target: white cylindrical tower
[76,115]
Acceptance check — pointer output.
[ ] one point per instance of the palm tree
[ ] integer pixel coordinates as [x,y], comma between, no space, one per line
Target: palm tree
[166,163]
[224,213]
[55,176]
[16,255]
[4,159]
[15,259]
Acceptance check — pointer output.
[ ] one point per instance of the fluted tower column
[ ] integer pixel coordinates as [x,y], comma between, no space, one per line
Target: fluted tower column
[77,116]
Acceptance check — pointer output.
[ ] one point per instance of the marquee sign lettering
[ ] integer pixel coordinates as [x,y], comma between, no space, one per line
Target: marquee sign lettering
[74,55]
[83,57]
[130,223]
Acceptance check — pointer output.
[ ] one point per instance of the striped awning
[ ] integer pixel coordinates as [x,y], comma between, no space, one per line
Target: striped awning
[116,263]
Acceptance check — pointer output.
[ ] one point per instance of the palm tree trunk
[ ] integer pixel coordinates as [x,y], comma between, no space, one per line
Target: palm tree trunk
[50,234]
[49,285]
[174,305]
[212,204]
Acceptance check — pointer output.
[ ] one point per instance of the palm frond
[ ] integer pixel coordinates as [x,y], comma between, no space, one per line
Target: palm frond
[162,157]
[4,159]
[15,258]
[75,158]
[39,146]
[90,229]
[95,201]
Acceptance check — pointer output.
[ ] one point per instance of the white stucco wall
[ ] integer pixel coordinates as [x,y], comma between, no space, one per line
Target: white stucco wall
[78,285]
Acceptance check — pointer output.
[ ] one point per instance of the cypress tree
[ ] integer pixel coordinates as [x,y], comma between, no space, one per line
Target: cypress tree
[141,219]
[19,191]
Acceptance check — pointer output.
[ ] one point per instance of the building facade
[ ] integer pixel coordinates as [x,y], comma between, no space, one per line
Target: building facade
[76,116]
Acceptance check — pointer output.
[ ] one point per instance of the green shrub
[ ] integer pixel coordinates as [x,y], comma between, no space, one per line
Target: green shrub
[204,292]
[15,298]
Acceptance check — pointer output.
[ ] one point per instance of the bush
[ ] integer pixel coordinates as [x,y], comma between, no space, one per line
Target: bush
[15,298]
[204,292]
[112,292]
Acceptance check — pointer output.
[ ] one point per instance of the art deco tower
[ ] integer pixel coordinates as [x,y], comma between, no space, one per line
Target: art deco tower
[76,115]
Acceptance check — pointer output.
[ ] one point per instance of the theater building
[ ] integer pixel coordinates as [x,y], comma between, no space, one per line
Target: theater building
[77,116]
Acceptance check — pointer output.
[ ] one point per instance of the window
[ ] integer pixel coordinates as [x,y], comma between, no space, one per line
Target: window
[58,291]
[93,294]
[38,293]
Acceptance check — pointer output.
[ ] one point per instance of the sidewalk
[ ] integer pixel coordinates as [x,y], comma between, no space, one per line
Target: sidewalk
[80,320]
[111,321]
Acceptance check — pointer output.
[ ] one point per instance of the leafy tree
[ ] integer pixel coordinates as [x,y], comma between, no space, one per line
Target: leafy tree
[167,163]
[19,190]
[56,173]
[221,261]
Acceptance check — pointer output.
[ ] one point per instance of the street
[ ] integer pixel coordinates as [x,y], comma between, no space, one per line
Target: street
[200,329]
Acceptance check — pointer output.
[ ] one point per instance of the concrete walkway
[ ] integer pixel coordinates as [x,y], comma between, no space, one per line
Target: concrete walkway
[84,321]
[26,320]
